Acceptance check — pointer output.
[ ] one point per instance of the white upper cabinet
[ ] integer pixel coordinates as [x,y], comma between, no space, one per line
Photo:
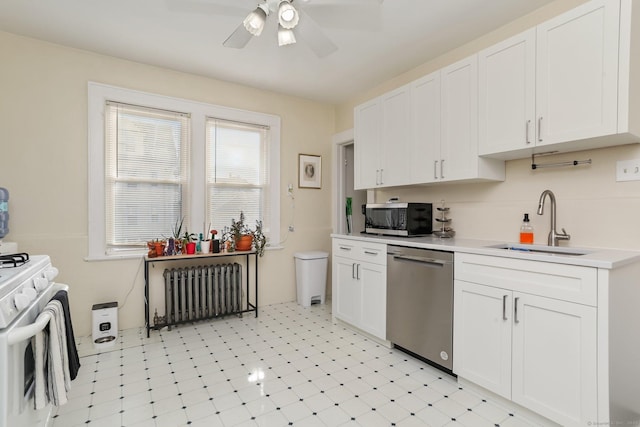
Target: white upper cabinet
[382,134]
[561,86]
[577,73]
[367,133]
[396,135]
[507,95]
[564,85]
[459,145]
[423,132]
[459,138]
[424,146]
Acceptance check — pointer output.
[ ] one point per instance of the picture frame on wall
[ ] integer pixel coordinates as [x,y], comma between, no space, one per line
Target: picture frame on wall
[309,171]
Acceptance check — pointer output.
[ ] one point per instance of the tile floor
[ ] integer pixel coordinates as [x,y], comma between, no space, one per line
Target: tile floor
[290,366]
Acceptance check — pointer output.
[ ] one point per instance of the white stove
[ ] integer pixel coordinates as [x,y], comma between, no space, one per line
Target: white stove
[26,287]
[22,278]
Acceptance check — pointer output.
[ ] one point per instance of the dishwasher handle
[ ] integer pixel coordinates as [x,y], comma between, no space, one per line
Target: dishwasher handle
[422,260]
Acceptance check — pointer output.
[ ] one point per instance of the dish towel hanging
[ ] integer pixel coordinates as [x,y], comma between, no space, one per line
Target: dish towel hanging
[72,350]
[52,378]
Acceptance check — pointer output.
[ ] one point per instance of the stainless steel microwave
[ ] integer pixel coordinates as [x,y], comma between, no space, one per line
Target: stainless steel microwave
[399,219]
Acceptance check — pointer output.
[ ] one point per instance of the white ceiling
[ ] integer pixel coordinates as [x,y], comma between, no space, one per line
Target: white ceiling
[186,35]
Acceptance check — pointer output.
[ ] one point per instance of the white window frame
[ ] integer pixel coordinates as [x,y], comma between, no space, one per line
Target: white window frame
[99,94]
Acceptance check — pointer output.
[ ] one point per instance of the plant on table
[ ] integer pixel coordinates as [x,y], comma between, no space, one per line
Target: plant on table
[241,237]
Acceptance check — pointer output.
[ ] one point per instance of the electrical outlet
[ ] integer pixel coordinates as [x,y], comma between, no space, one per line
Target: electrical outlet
[628,170]
[291,228]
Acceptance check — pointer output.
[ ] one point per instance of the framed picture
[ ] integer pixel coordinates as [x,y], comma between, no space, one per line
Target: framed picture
[309,171]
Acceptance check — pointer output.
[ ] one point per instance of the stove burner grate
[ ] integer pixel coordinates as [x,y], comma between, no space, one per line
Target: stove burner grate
[13,260]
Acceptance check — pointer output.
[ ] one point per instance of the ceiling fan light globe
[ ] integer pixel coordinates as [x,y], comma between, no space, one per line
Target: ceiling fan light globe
[287,15]
[254,22]
[285,36]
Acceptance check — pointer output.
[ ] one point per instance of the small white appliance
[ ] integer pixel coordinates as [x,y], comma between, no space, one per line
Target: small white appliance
[105,325]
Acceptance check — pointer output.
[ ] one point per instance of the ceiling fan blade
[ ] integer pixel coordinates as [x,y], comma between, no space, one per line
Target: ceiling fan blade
[313,36]
[239,38]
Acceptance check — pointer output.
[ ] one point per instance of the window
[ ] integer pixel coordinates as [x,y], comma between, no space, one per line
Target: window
[156,159]
[237,172]
[146,172]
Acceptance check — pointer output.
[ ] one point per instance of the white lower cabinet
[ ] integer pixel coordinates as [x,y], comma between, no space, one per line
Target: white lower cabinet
[359,285]
[554,359]
[482,336]
[347,290]
[540,352]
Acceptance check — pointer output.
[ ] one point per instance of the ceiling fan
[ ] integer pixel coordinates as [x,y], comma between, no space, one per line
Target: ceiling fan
[293,22]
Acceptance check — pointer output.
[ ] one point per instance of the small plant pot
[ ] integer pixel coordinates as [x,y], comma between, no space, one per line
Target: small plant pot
[205,246]
[215,246]
[244,243]
[191,248]
[159,248]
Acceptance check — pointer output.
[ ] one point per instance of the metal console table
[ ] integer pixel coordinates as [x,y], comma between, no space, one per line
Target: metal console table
[247,254]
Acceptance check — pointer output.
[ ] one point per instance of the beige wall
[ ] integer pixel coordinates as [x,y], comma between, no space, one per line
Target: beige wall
[595,209]
[43,163]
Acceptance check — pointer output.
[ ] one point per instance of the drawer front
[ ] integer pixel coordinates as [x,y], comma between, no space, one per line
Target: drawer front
[375,253]
[565,282]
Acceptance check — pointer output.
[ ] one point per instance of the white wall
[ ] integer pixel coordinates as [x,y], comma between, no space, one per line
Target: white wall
[595,209]
[43,163]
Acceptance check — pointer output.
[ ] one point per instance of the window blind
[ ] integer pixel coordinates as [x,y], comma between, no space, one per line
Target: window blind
[146,173]
[237,173]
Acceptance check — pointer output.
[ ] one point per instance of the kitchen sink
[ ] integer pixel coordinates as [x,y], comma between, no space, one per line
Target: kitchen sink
[542,250]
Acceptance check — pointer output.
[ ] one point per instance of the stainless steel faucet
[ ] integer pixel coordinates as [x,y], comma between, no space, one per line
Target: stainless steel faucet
[554,236]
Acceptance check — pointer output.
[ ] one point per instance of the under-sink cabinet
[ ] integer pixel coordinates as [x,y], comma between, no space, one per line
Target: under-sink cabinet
[526,330]
[359,285]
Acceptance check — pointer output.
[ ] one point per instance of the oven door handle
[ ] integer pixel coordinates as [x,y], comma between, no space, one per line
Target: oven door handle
[23,333]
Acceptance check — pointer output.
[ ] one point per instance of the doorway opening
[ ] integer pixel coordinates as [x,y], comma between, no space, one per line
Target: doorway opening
[344,179]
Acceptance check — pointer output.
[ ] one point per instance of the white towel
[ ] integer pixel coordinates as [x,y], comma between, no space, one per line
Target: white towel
[52,379]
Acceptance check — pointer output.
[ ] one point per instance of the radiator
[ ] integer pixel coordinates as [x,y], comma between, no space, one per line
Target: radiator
[202,292]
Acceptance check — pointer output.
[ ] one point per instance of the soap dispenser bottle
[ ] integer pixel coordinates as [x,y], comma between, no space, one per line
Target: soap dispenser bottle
[526,230]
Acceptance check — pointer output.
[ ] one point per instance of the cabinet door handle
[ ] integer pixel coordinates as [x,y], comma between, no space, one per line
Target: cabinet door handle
[441,168]
[381,180]
[435,169]
[540,129]
[504,307]
[527,139]
[353,270]
[345,248]
[377,176]
[358,271]
[515,310]
[370,253]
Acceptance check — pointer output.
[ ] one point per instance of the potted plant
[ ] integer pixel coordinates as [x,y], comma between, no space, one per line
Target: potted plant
[159,247]
[188,242]
[259,239]
[239,235]
[241,238]
[174,243]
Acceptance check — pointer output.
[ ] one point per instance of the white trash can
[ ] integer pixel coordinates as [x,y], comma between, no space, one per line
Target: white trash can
[311,277]
[105,325]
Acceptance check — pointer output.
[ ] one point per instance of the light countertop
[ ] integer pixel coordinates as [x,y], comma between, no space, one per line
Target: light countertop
[594,257]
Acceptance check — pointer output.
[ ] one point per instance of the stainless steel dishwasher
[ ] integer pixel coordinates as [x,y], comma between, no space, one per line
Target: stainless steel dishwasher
[420,303]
